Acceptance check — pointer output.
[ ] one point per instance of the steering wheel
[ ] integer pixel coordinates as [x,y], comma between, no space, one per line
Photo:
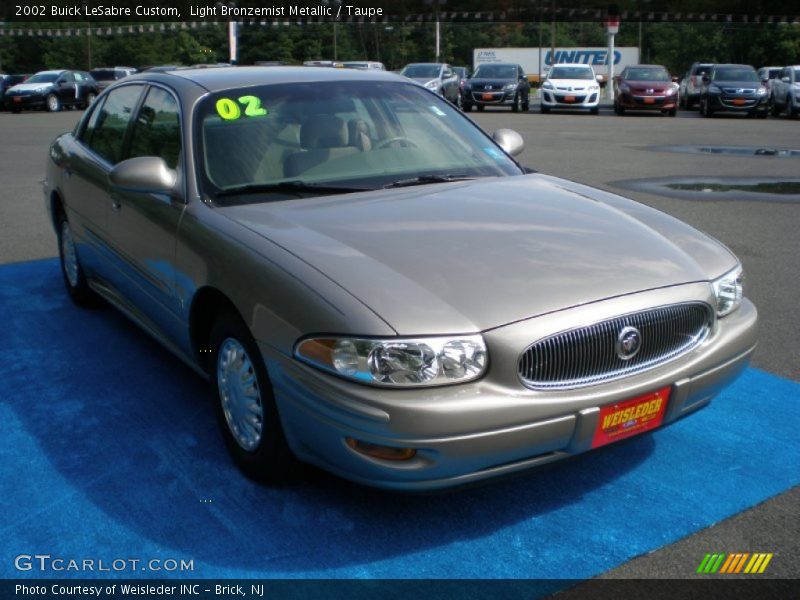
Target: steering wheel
[408,142]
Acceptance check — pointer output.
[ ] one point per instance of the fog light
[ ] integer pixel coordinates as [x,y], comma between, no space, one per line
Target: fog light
[382,452]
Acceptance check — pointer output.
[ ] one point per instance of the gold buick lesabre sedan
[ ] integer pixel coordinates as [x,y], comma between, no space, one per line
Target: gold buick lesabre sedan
[373,285]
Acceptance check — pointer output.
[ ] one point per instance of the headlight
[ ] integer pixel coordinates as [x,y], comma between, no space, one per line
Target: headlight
[728,291]
[399,362]
[762,91]
[509,86]
[671,90]
[432,85]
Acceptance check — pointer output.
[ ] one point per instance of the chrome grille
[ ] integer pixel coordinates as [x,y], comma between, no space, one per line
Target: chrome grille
[588,355]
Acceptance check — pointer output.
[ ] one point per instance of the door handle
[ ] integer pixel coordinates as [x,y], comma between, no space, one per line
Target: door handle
[116,205]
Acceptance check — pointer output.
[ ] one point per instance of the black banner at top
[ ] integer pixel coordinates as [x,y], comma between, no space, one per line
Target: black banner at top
[144,11]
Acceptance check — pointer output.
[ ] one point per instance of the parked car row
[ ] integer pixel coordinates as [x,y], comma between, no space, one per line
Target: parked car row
[57,89]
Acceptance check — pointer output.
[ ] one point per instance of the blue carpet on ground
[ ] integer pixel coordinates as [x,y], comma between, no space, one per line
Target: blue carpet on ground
[108,449]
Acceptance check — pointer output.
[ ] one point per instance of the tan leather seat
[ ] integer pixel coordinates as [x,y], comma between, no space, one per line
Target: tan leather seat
[324,138]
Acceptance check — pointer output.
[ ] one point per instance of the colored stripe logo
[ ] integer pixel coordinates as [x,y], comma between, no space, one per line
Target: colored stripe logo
[736,562]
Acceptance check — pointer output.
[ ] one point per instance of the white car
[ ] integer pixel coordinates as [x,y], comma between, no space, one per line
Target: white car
[785,92]
[571,86]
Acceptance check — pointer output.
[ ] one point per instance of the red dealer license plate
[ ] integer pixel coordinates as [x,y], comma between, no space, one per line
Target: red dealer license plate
[739,101]
[649,100]
[488,96]
[630,417]
[17,99]
[569,98]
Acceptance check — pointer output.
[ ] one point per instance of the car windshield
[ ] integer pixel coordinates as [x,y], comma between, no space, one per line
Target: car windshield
[735,74]
[460,71]
[639,74]
[496,72]
[421,71]
[292,139]
[43,78]
[104,74]
[571,73]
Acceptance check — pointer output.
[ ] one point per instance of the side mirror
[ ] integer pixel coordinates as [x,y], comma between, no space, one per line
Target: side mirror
[706,79]
[674,79]
[598,77]
[509,140]
[144,174]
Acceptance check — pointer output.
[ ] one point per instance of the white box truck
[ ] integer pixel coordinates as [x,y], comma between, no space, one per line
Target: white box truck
[529,59]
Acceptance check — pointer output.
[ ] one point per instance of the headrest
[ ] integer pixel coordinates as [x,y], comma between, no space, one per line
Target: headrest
[323,131]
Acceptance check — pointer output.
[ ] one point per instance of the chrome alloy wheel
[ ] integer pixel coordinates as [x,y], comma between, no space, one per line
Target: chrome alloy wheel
[69,258]
[239,394]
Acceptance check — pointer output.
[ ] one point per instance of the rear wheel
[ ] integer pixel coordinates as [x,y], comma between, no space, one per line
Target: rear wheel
[245,406]
[53,103]
[74,279]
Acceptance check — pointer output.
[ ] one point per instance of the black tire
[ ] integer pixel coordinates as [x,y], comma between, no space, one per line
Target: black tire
[791,111]
[689,103]
[515,106]
[90,98]
[774,108]
[52,103]
[270,460]
[672,112]
[481,107]
[705,109]
[544,109]
[762,114]
[16,111]
[595,110]
[467,108]
[619,110]
[71,271]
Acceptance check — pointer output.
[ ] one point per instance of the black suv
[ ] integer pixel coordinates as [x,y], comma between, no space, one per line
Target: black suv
[733,88]
[497,84]
[51,90]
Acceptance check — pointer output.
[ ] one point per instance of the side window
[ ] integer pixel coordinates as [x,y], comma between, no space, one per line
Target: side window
[67,77]
[157,129]
[520,72]
[106,133]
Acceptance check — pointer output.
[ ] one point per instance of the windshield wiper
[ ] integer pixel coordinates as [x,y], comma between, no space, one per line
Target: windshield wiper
[425,179]
[290,187]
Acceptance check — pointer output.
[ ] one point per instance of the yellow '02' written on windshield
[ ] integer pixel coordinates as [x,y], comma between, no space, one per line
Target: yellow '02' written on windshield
[230,110]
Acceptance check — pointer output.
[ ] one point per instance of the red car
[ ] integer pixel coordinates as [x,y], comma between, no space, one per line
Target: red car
[645,87]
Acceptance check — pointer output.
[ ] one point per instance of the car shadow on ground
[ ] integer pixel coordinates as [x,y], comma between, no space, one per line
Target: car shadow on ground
[132,430]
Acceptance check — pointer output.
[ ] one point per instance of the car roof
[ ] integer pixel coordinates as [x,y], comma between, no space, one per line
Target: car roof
[224,78]
[502,64]
[572,65]
[716,66]
[646,67]
[51,72]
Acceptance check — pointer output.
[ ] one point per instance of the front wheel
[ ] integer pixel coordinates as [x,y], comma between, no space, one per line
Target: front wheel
[481,107]
[515,105]
[467,107]
[595,110]
[245,406]
[672,112]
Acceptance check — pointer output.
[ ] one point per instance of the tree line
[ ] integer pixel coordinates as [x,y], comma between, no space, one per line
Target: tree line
[675,45]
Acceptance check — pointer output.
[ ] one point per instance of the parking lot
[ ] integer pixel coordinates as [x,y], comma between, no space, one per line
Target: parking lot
[605,151]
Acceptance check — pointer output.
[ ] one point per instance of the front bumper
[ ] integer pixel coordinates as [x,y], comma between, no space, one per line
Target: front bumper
[570,100]
[488,98]
[495,426]
[746,104]
[26,101]
[635,102]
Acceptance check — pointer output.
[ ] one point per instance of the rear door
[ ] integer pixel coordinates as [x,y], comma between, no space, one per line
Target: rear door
[97,148]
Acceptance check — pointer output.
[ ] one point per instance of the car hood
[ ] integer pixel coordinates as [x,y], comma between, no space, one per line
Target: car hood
[748,85]
[28,87]
[424,80]
[638,84]
[574,83]
[496,83]
[470,256]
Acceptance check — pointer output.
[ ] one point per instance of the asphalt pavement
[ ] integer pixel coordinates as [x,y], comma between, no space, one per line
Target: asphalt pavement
[605,151]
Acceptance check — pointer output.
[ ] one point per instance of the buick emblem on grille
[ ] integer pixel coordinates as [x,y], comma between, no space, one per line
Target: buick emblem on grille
[488,87]
[629,342]
[740,91]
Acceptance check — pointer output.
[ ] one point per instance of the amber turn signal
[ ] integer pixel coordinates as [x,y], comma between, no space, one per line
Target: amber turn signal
[381,452]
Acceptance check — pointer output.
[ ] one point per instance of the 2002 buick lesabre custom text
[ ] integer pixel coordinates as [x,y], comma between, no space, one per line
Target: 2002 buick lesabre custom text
[375,286]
